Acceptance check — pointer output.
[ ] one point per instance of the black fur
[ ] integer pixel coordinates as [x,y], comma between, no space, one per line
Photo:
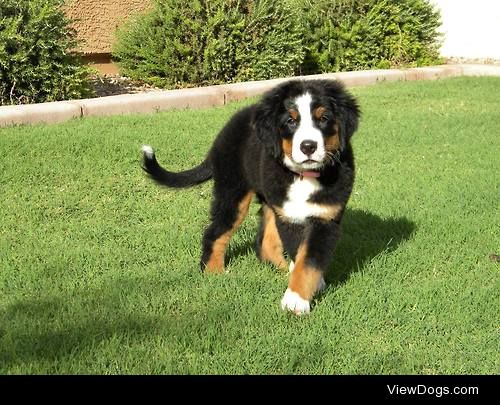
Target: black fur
[188,178]
[247,156]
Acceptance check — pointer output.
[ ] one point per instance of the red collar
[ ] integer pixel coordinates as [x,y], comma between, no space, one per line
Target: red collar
[307,173]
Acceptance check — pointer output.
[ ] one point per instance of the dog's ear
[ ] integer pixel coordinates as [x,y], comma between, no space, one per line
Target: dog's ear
[349,117]
[266,123]
[346,109]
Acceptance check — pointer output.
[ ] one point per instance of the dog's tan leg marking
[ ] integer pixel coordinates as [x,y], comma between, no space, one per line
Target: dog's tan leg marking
[304,280]
[216,262]
[272,246]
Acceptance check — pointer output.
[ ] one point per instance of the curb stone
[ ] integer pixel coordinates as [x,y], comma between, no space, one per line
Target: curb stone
[57,111]
[204,97]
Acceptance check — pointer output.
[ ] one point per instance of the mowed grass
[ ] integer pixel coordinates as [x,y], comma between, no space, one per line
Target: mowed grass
[99,266]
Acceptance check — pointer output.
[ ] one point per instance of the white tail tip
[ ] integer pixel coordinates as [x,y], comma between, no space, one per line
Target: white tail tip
[148,151]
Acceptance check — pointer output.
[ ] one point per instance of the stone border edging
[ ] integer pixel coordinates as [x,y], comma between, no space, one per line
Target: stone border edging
[211,96]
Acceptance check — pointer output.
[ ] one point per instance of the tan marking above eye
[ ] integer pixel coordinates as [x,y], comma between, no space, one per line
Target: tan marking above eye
[318,112]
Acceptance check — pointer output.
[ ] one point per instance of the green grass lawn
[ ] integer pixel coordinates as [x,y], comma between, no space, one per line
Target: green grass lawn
[99,266]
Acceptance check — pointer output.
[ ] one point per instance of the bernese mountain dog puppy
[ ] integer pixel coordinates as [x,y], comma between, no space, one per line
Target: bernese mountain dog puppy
[292,151]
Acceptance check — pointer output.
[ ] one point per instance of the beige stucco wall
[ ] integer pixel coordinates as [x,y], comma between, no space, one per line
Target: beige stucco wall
[96,20]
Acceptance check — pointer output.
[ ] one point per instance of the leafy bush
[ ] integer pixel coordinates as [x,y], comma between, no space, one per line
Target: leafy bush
[272,44]
[361,34]
[36,63]
[181,43]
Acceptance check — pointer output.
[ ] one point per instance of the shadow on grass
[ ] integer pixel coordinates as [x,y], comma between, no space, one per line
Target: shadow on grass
[364,236]
[43,329]
[88,332]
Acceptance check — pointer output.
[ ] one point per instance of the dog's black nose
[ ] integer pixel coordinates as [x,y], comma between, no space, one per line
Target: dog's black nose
[308,147]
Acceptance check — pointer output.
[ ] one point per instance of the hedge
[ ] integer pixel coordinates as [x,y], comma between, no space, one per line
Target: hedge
[36,62]
[180,43]
[347,35]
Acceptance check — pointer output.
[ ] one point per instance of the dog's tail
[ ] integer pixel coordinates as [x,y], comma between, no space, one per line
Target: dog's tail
[191,177]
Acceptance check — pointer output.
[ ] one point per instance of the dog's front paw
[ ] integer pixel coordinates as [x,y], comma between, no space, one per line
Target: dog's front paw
[293,302]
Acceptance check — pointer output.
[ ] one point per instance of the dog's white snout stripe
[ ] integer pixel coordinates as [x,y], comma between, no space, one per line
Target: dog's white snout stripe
[306,132]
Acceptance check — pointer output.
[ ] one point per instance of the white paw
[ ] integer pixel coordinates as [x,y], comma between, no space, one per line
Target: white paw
[292,301]
[291,267]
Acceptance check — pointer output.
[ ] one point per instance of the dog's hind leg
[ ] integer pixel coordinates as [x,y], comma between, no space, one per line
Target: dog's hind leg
[227,216]
[269,245]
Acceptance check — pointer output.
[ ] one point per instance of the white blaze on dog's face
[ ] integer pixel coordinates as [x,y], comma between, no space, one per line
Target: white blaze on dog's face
[307,135]
[306,150]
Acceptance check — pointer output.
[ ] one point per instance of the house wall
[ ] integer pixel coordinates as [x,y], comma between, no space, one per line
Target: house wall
[471,28]
[96,21]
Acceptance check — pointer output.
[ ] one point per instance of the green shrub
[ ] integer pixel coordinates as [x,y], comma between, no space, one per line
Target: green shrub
[272,44]
[181,44]
[36,62]
[345,35]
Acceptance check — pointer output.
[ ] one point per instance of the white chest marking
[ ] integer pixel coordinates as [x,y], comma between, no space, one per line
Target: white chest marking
[297,206]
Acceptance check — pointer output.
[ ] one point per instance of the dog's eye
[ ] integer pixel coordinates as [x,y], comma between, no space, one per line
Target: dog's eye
[323,119]
[291,122]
